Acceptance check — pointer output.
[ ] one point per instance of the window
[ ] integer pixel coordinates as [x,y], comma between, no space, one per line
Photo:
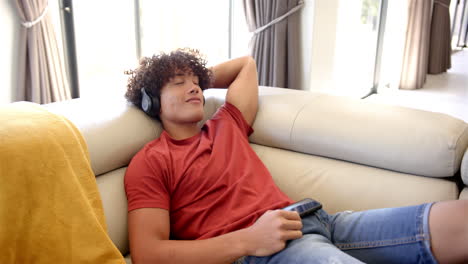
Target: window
[459,14]
[240,32]
[203,25]
[344,46]
[110,35]
[393,46]
[105,45]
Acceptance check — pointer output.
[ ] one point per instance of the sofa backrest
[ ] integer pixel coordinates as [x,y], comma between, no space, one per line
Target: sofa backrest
[114,130]
[378,135]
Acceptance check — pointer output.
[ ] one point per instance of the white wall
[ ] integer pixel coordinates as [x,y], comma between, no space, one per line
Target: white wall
[9,26]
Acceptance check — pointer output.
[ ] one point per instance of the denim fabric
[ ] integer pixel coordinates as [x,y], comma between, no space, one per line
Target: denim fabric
[390,235]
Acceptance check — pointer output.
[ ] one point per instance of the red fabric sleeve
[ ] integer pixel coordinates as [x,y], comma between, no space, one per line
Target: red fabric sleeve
[146,182]
[237,116]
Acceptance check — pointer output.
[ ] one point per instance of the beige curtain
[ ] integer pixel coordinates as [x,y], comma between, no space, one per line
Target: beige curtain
[42,78]
[275,43]
[415,58]
[440,49]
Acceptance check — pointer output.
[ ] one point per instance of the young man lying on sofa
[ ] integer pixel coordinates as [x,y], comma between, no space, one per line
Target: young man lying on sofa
[201,195]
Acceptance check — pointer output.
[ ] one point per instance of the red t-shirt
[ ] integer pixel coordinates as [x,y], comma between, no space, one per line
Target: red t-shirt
[212,183]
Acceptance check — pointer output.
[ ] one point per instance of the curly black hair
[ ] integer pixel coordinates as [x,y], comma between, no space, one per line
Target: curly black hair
[154,72]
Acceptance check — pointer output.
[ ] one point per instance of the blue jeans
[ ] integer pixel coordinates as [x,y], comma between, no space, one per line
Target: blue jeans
[390,235]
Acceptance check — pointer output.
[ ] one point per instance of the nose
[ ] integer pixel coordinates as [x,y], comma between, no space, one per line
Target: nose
[195,89]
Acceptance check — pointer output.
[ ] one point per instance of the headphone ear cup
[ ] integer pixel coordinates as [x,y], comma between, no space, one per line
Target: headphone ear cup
[148,103]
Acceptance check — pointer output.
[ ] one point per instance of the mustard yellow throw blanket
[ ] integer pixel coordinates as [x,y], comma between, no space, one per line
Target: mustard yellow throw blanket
[50,207]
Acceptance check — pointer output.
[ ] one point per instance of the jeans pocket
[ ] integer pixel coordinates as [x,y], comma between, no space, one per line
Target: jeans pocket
[323,218]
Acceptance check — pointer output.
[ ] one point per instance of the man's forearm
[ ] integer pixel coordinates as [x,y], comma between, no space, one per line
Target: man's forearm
[267,236]
[240,75]
[222,249]
[226,72]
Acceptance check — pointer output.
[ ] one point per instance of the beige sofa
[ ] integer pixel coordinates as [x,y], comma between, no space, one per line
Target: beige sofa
[347,153]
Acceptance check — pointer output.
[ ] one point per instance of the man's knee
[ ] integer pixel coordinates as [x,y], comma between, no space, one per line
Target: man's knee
[463,207]
[449,230]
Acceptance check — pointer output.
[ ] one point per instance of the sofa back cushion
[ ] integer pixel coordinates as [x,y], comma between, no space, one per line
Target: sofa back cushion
[390,137]
[114,130]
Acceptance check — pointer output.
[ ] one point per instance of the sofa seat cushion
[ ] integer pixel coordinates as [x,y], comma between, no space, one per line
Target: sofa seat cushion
[343,185]
[114,201]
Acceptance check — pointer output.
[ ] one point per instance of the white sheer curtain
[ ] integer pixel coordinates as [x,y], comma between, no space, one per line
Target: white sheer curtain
[42,77]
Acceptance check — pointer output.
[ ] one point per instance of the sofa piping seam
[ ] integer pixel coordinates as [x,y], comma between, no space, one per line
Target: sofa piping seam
[294,122]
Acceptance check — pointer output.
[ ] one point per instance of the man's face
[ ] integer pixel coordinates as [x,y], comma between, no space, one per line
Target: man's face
[182,99]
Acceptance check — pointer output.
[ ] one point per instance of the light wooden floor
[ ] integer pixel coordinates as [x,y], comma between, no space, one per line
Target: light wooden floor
[445,93]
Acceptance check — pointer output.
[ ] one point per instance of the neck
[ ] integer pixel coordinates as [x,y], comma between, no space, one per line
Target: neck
[181,131]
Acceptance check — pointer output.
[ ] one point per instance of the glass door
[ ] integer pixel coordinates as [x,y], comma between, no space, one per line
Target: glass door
[344,47]
[459,14]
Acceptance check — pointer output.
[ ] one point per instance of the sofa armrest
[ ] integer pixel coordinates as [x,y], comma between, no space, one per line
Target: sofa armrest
[390,137]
